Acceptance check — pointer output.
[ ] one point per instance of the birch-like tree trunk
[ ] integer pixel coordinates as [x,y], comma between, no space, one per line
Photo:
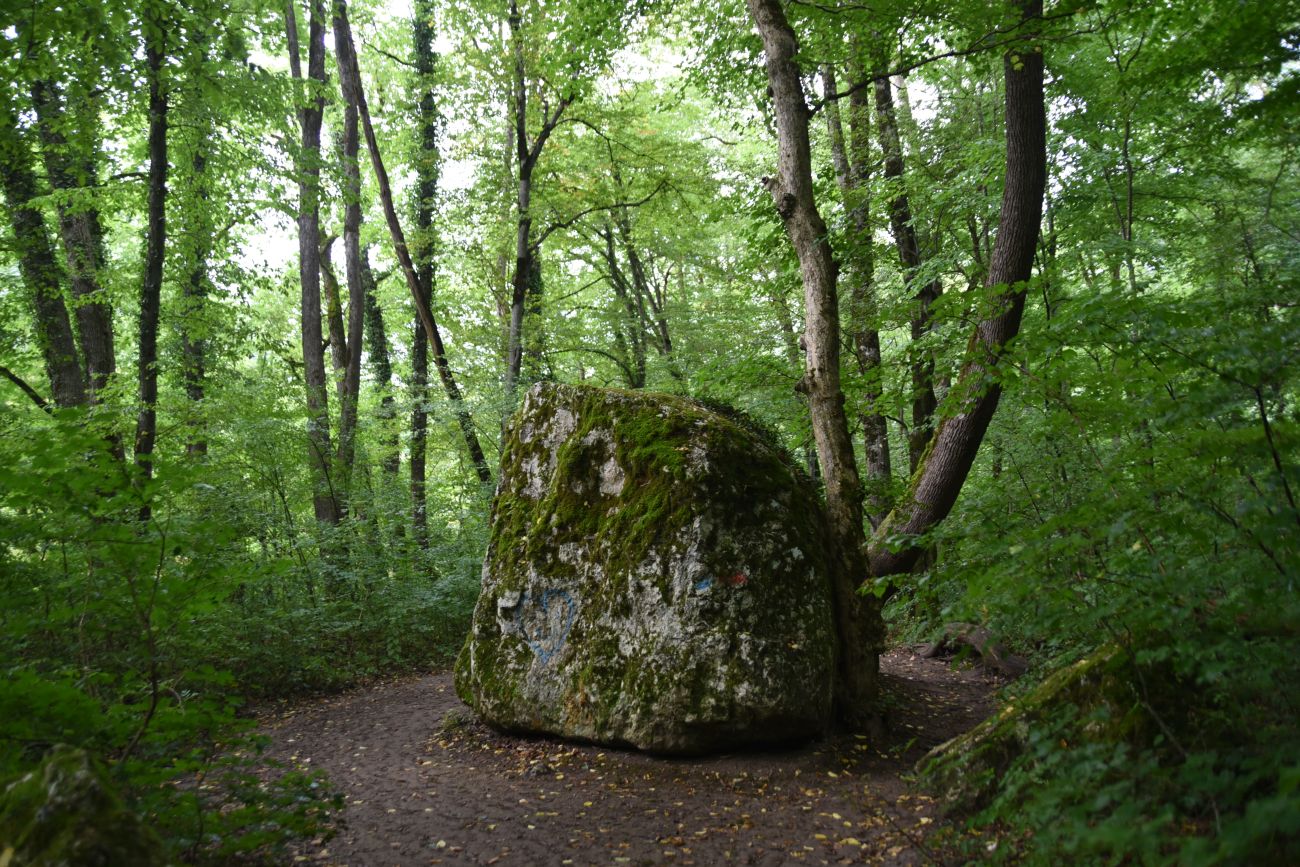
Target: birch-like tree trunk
[858,622]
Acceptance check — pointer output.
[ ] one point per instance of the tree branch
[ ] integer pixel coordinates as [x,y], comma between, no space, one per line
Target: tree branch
[26,389]
[564,224]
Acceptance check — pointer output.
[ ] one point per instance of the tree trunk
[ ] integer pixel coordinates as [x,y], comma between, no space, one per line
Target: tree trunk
[338,334]
[526,282]
[350,391]
[40,269]
[853,174]
[155,251]
[381,364]
[523,202]
[352,73]
[858,622]
[957,438]
[924,402]
[195,293]
[70,166]
[426,184]
[632,330]
[311,112]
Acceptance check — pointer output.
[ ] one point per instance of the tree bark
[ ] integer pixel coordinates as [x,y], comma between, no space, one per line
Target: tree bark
[195,294]
[310,115]
[956,441]
[853,173]
[344,46]
[70,166]
[381,363]
[858,622]
[155,250]
[334,327]
[425,252]
[350,391]
[40,270]
[924,402]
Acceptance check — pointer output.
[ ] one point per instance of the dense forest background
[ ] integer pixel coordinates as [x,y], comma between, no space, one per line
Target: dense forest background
[273,276]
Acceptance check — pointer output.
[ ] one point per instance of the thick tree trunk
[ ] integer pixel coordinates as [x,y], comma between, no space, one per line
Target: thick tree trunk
[853,173]
[324,499]
[146,426]
[40,270]
[957,438]
[352,75]
[924,402]
[70,166]
[858,621]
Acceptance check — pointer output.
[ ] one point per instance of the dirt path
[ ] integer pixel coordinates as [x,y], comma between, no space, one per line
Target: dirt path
[421,791]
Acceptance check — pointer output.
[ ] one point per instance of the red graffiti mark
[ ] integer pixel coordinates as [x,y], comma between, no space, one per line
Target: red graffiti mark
[737,580]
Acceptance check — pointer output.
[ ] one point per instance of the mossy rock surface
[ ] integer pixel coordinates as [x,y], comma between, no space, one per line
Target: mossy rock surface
[65,813]
[655,578]
[1097,695]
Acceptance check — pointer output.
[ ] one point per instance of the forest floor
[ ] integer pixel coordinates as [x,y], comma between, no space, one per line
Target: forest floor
[424,783]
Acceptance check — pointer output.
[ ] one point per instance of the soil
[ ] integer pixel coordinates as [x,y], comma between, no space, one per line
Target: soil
[425,783]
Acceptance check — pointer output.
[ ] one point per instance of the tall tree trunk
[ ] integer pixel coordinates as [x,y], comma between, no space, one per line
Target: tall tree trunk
[310,115]
[146,426]
[40,270]
[526,282]
[631,332]
[853,173]
[858,622]
[533,337]
[957,438]
[523,203]
[350,392]
[382,365]
[71,168]
[425,253]
[924,402]
[337,331]
[352,78]
[195,293]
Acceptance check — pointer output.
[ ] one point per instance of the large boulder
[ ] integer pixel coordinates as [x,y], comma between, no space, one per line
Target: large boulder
[65,813]
[656,577]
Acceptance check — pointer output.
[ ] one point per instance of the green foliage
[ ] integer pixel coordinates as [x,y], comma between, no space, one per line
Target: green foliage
[1140,490]
[1138,486]
[141,642]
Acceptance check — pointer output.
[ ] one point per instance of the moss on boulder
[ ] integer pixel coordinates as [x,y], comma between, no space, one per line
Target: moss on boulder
[65,813]
[1097,697]
[655,578]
